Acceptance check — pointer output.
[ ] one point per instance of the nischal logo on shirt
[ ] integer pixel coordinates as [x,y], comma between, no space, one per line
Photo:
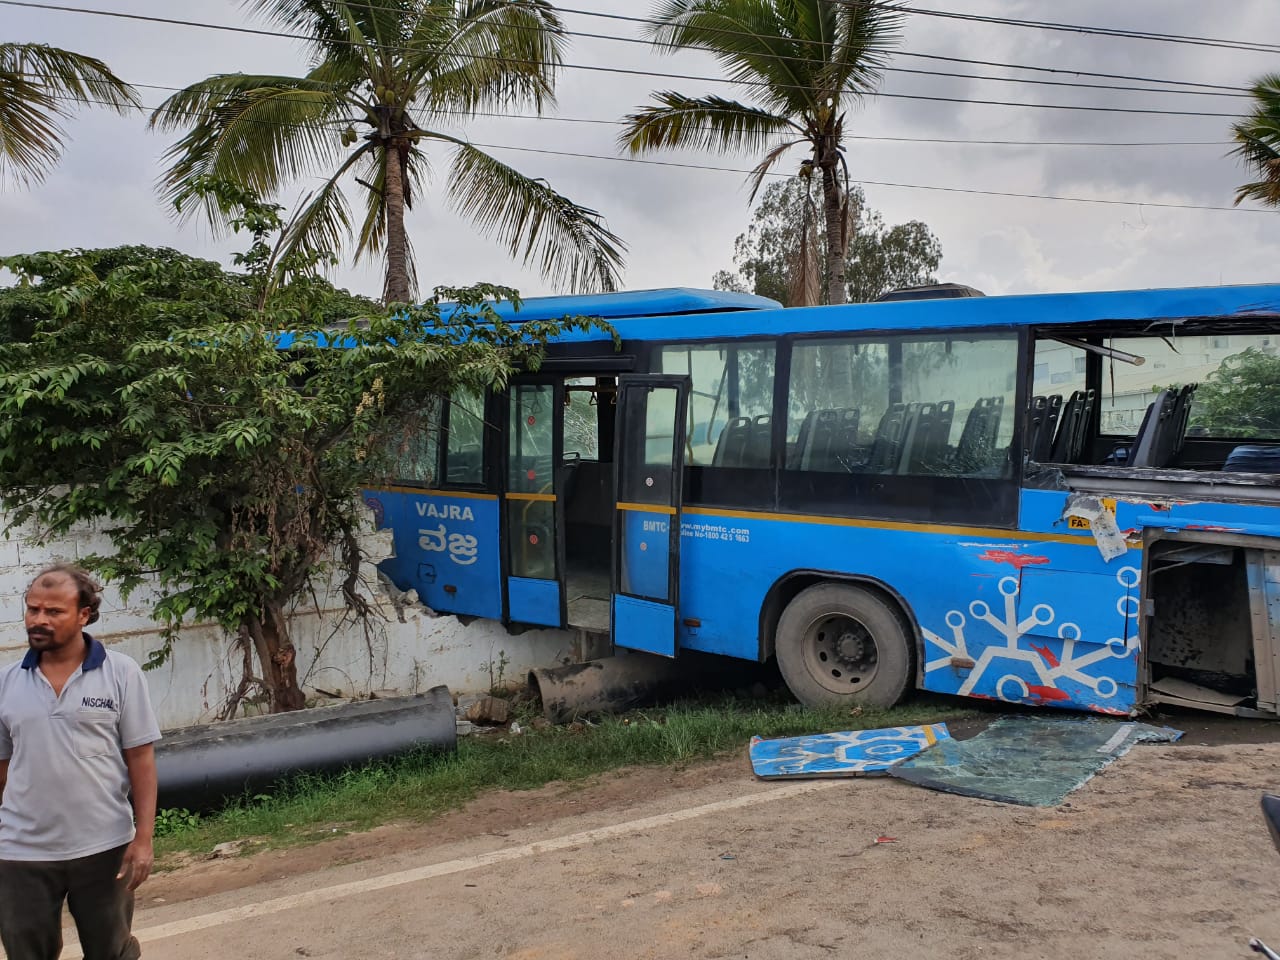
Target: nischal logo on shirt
[102,703]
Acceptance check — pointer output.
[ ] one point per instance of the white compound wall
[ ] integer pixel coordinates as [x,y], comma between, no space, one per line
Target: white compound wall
[407,649]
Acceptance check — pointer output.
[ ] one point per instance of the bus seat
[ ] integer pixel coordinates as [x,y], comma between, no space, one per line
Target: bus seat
[1073,428]
[796,452]
[731,446]
[1042,422]
[828,439]
[976,449]
[1253,458]
[1182,418]
[936,443]
[924,444]
[888,439]
[759,442]
[1150,441]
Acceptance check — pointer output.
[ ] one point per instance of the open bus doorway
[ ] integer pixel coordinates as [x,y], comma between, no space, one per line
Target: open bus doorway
[586,465]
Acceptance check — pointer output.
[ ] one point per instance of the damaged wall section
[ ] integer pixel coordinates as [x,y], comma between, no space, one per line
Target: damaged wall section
[407,650]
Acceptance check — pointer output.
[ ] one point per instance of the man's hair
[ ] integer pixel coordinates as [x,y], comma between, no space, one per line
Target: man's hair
[88,589]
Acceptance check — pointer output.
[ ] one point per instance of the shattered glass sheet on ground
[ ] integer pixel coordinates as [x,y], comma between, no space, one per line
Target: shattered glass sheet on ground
[1033,761]
[854,753]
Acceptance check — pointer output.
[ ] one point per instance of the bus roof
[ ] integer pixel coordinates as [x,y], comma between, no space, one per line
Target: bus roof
[635,303]
[1240,302]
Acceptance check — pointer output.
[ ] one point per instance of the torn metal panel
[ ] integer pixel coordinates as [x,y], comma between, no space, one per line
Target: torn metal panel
[1264,606]
[1100,516]
[1171,689]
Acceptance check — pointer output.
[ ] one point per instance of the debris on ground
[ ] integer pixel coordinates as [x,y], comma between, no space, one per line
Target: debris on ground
[487,710]
[1028,760]
[853,753]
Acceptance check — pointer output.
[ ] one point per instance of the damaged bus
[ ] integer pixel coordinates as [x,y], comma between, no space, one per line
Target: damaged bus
[1068,500]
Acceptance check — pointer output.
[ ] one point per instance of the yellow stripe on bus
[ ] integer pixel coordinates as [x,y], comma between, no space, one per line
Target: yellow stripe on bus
[647,508]
[536,497]
[987,532]
[419,491]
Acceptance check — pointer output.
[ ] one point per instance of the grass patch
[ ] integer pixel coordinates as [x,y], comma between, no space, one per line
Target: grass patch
[420,786]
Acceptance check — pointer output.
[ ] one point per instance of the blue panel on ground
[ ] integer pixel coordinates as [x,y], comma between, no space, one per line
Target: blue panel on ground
[854,753]
[534,601]
[644,625]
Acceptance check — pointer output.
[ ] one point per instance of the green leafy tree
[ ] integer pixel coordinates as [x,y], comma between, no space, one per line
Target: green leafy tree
[803,63]
[1241,398]
[771,255]
[384,77]
[155,396]
[1258,143]
[41,85]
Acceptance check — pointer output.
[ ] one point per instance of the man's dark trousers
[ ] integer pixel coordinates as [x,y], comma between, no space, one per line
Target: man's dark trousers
[31,896]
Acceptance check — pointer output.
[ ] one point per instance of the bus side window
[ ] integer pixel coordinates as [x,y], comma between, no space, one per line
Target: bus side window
[959,396]
[839,397]
[731,402]
[413,448]
[464,439]
[903,405]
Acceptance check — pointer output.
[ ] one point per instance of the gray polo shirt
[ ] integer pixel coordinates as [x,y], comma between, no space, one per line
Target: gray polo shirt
[67,794]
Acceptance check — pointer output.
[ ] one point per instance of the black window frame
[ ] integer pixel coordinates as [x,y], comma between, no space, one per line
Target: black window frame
[937,500]
[908,498]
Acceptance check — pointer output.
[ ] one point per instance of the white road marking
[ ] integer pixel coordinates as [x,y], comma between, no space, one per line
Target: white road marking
[338,891]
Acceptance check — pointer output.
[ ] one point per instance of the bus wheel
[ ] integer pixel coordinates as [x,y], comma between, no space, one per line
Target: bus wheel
[841,644]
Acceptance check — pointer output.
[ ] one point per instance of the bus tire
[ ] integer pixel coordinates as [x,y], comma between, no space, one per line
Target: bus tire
[841,644]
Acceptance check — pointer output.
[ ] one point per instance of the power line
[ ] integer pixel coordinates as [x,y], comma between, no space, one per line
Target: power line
[1075,73]
[885,183]
[1214,91]
[1085,29]
[924,56]
[628,72]
[1208,88]
[954,141]
[873,183]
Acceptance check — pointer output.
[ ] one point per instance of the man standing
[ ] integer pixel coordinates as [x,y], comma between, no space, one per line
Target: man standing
[77,737]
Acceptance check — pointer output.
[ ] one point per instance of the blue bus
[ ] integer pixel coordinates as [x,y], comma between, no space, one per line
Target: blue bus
[1067,500]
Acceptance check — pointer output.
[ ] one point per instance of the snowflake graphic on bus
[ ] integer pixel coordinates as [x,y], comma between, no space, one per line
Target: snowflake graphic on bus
[1035,659]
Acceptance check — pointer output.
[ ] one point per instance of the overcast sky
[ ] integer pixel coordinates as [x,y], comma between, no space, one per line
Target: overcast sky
[680,224]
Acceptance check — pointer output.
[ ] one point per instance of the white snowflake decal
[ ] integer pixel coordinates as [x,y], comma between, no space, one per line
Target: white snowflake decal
[1050,667]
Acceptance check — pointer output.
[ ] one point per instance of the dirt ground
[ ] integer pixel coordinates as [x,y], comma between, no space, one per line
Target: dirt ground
[1164,852]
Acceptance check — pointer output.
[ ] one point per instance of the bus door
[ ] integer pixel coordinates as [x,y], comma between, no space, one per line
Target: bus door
[535,553]
[648,470]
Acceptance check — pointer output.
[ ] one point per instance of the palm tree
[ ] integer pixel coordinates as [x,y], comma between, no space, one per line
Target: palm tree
[803,62]
[1258,136]
[40,85]
[384,76]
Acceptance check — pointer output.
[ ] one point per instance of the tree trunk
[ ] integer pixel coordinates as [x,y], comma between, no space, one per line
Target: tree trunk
[278,659]
[837,241]
[396,289]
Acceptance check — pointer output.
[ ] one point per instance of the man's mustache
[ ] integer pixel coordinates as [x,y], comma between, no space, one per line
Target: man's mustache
[37,633]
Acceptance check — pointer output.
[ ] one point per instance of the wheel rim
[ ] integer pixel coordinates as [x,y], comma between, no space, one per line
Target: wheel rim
[840,653]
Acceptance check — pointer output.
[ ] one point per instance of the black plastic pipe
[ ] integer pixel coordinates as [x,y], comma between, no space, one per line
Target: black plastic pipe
[610,685]
[199,767]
